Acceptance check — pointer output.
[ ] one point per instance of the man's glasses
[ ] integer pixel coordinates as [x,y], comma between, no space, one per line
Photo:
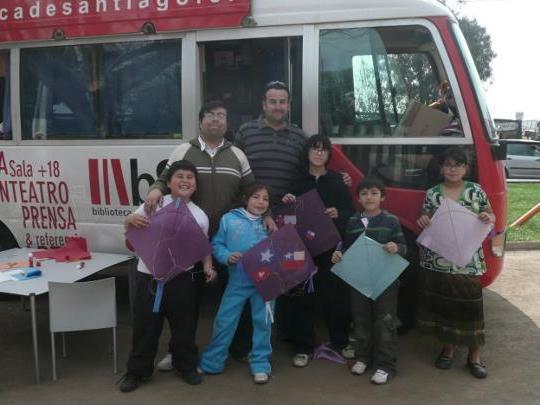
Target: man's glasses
[211,114]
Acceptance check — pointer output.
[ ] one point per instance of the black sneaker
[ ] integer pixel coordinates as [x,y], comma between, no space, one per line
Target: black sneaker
[130,382]
[190,377]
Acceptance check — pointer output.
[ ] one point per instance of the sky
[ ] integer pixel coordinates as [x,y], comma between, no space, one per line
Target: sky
[514,26]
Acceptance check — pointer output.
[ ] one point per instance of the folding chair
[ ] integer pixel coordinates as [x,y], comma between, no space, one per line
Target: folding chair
[82,306]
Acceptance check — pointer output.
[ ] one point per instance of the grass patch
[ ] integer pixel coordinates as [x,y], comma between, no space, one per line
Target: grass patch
[521,198]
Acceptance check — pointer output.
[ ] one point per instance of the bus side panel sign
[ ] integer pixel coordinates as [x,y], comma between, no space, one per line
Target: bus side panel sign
[22,20]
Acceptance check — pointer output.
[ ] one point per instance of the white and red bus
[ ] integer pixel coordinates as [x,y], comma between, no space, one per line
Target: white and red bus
[96,93]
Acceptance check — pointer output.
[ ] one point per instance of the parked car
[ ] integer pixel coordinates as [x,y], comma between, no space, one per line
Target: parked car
[522,158]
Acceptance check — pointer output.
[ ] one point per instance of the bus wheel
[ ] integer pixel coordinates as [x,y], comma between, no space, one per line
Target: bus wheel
[7,241]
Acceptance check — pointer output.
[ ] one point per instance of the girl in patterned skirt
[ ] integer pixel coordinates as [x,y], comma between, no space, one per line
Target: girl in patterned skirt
[450,297]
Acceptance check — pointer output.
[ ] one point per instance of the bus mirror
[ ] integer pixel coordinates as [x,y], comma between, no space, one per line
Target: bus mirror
[498,151]
[148,28]
[58,34]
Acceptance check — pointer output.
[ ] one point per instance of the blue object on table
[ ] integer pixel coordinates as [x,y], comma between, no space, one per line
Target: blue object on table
[28,273]
[368,268]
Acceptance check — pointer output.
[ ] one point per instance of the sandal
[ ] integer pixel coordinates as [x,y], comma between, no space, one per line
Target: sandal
[443,361]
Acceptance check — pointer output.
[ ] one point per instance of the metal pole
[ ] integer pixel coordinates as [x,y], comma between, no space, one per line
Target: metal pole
[34,336]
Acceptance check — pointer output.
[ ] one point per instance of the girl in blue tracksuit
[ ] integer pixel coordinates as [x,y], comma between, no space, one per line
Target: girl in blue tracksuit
[239,230]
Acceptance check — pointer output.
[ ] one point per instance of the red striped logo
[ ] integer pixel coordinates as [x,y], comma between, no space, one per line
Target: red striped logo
[98,179]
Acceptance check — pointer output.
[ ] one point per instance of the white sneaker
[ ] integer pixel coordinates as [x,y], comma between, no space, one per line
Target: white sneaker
[300,360]
[165,364]
[260,378]
[347,352]
[359,368]
[380,377]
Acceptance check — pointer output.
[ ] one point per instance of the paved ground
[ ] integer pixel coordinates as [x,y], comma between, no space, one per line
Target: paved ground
[85,376]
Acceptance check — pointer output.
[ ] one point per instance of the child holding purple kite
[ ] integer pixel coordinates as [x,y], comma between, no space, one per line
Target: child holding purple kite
[239,230]
[375,321]
[450,300]
[180,300]
[298,306]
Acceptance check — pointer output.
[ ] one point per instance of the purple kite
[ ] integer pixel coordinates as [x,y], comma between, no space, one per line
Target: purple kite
[317,230]
[278,263]
[172,243]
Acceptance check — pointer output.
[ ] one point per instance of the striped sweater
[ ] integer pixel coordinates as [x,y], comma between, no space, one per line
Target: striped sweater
[221,179]
[275,156]
[382,228]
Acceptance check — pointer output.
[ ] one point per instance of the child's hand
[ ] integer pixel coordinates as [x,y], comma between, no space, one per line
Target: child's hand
[332,212]
[337,256]
[391,247]
[137,221]
[424,221]
[486,217]
[209,274]
[346,177]
[288,198]
[234,257]
[153,199]
[270,224]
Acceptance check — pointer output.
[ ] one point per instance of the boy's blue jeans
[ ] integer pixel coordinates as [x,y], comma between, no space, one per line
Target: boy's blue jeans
[239,289]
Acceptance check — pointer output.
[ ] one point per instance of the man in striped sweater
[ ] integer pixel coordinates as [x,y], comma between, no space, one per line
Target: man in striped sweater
[273,146]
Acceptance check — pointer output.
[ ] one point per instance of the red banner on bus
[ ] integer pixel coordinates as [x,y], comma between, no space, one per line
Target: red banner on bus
[22,20]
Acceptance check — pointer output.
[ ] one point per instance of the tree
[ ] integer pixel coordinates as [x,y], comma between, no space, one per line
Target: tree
[479,42]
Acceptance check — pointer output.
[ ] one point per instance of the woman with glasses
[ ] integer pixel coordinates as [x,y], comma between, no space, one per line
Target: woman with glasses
[450,297]
[331,291]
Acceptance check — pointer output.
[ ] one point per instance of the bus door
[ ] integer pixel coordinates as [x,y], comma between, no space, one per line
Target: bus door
[236,72]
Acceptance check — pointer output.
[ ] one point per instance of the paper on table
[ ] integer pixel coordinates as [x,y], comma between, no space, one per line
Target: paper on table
[455,233]
[368,268]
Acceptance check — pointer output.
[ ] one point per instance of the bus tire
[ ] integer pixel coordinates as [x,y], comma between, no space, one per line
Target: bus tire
[7,240]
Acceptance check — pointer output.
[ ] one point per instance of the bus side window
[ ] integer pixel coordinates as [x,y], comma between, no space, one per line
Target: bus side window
[5,106]
[378,82]
[102,91]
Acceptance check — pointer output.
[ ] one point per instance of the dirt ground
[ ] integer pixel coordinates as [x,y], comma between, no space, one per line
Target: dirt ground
[511,353]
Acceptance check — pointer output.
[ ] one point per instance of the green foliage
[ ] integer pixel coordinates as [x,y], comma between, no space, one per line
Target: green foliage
[479,42]
[521,198]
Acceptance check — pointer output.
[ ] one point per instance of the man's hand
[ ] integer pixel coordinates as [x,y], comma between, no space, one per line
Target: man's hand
[153,199]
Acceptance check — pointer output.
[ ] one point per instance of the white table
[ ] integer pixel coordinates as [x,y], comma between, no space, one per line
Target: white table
[52,271]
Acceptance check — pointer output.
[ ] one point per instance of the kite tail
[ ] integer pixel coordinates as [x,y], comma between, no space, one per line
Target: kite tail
[158,297]
[269,313]
[310,284]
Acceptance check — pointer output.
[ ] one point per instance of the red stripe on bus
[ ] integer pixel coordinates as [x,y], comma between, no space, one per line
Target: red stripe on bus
[93,173]
[119,181]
